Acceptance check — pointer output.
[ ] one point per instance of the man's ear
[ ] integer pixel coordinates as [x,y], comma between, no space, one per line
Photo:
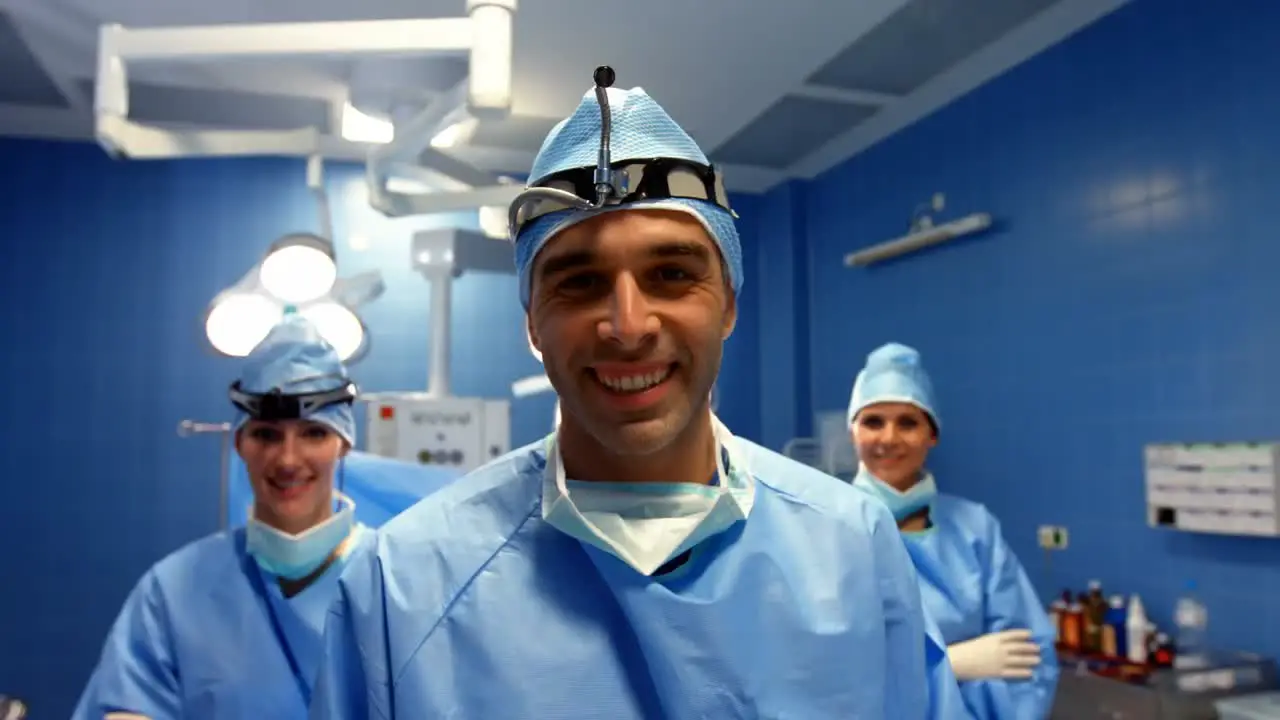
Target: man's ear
[535,345]
[730,317]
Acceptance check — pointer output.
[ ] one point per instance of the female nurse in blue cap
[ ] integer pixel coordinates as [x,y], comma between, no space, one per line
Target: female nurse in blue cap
[999,639]
[230,626]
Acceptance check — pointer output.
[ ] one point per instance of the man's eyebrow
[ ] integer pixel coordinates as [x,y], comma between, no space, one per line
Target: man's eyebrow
[567,261]
[684,248]
[583,258]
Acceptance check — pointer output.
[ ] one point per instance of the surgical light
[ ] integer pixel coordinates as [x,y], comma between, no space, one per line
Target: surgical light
[299,268]
[239,321]
[241,316]
[338,325]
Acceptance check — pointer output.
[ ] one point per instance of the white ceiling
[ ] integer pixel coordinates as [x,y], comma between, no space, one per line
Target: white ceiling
[773,90]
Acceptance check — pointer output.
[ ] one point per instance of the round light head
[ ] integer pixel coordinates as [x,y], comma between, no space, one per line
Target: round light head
[238,322]
[338,326]
[299,268]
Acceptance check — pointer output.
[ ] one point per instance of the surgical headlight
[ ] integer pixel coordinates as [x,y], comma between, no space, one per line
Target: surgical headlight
[277,405]
[609,183]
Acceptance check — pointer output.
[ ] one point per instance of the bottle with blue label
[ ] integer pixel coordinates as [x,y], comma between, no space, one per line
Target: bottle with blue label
[1114,636]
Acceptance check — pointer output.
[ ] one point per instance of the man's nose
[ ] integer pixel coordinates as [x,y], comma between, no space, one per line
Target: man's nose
[631,320]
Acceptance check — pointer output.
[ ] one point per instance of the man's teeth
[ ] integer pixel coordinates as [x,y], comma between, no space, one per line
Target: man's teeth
[635,383]
[286,484]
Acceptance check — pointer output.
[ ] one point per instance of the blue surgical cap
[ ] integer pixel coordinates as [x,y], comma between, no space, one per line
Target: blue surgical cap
[295,359]
[641,130]
[894,373]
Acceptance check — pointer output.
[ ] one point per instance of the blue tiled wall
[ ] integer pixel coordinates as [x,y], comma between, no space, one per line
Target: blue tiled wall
[1129,294]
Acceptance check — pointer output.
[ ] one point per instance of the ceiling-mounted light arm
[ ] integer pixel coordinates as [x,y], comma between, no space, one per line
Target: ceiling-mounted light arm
[415,134]
[484,95]
[315,181]
[489,82]
[404,204]
[920,239]
[442,255]
[433,256]
[118,47]
[359,289]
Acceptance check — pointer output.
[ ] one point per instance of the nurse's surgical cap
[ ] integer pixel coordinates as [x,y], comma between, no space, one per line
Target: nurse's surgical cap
[894,373]
[641,130]
[295,359]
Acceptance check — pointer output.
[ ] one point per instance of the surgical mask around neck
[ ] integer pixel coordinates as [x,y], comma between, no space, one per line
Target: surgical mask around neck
[296,556]
[647,524]
[902,503]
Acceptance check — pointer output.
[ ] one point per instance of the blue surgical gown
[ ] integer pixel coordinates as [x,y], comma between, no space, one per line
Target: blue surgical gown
[199,638]
[972,585]
[473,607]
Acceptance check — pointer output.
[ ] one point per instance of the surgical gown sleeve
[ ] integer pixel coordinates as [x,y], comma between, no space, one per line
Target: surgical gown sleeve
[919,679]
[354,682]
[137,672]
[946,702]
[1012,603]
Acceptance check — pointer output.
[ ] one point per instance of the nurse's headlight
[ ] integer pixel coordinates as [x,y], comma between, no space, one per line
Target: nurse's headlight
[299,268]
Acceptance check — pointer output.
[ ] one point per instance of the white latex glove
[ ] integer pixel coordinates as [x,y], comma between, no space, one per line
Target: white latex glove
[1006,655]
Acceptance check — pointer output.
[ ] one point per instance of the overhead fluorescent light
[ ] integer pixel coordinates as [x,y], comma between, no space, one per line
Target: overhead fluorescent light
[489,81]
[359,127]
[408,186]
[458,133]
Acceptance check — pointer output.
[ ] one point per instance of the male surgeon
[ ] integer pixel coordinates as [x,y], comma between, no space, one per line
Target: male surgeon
[641,562]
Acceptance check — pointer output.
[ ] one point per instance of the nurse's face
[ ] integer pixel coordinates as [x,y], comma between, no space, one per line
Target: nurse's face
[893,440]
[630,311]
[291,465]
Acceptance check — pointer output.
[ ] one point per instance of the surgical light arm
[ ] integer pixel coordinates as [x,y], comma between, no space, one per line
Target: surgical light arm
[441,255]
[485,36]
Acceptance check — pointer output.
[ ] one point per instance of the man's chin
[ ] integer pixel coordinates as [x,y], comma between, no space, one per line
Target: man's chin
[640,437]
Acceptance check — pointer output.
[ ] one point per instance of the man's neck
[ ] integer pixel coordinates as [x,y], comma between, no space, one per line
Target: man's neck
[690,457]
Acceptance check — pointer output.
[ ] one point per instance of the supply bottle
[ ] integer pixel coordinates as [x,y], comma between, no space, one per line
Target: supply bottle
[1095,609]
[1192,621]
[1057,609]
[1113,630]
[1073,626]
[1136,631]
